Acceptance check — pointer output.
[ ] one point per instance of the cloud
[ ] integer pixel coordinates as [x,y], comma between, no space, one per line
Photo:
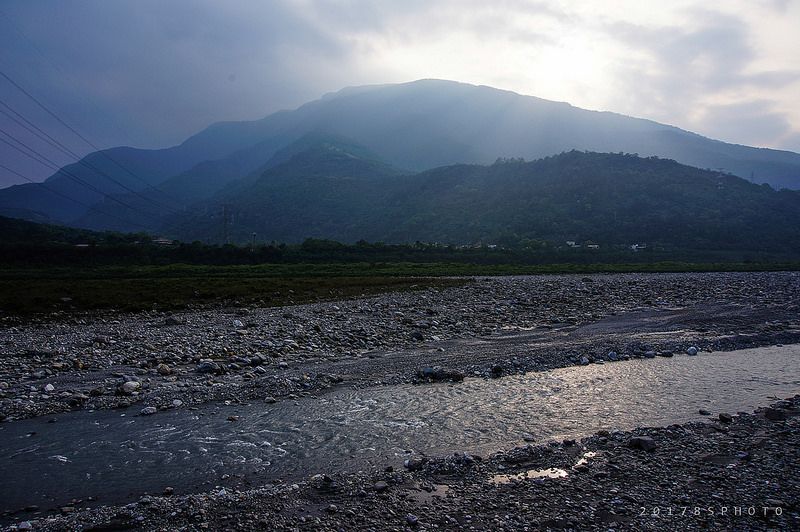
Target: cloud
[703,75]
[150,73]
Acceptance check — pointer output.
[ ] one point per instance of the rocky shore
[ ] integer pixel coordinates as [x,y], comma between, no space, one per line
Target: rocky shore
[734,471]
[163,361]
[737,471]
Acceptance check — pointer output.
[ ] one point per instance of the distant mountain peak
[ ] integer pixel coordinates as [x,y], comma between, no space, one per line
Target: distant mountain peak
[414,126]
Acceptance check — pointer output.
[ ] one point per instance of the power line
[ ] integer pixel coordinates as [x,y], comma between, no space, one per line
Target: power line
[84,139]
[38,157]
[79,202]
[45,137]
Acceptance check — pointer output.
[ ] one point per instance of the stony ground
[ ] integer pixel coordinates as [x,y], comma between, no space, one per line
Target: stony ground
[738,472]
[699,475]
[162,361]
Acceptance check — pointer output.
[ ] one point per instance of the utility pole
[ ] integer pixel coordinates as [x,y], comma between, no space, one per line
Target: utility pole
[253,242]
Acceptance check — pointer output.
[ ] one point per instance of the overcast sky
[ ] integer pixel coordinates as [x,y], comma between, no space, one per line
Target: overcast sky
[149,73]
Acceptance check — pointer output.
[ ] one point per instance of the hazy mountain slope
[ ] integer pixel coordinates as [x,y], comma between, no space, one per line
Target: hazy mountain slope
[328,190]
[430,123]
[138,169]
[613,200]
[609,199]
[417,125]
[180,192]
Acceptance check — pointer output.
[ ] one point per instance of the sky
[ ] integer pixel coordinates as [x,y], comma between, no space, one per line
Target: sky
[149,73]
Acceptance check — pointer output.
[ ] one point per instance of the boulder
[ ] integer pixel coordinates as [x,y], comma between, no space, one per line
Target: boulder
[774,414]
[438,373]
[208,366]
[129,387]
[644,443]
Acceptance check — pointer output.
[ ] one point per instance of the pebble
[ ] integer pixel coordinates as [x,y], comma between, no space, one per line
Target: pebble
[244,367]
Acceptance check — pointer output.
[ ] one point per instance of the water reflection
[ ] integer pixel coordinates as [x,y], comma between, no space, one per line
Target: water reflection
[118,458]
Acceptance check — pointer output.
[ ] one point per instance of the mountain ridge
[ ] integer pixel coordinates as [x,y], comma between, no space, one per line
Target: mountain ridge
[612,200]
[416,125]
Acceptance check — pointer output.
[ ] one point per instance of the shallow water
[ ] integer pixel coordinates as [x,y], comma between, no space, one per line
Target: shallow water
[116,457]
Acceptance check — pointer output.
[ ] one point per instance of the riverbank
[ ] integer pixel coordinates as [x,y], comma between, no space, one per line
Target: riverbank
[739,471]
[491,328]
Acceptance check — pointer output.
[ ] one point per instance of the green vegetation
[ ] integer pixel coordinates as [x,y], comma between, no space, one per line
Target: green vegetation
[26,245]
[607,201]
[135,288]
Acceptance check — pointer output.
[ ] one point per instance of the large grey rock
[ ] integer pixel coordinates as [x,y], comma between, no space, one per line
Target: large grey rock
[130,387]
[208,366]
[438,373]
[645,443]
[415,464]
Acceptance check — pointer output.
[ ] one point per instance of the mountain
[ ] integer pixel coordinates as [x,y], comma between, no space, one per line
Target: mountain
[15,232]
[157,177]
[314,188]
[415,126]
[612,200]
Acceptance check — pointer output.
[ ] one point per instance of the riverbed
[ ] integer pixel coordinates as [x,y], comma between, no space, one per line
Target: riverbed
[116,456]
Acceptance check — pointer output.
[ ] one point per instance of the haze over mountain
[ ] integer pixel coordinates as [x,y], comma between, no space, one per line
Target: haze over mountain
[411,127]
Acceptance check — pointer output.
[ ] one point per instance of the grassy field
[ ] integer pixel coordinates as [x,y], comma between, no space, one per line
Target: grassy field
[135,288]
[36,295]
